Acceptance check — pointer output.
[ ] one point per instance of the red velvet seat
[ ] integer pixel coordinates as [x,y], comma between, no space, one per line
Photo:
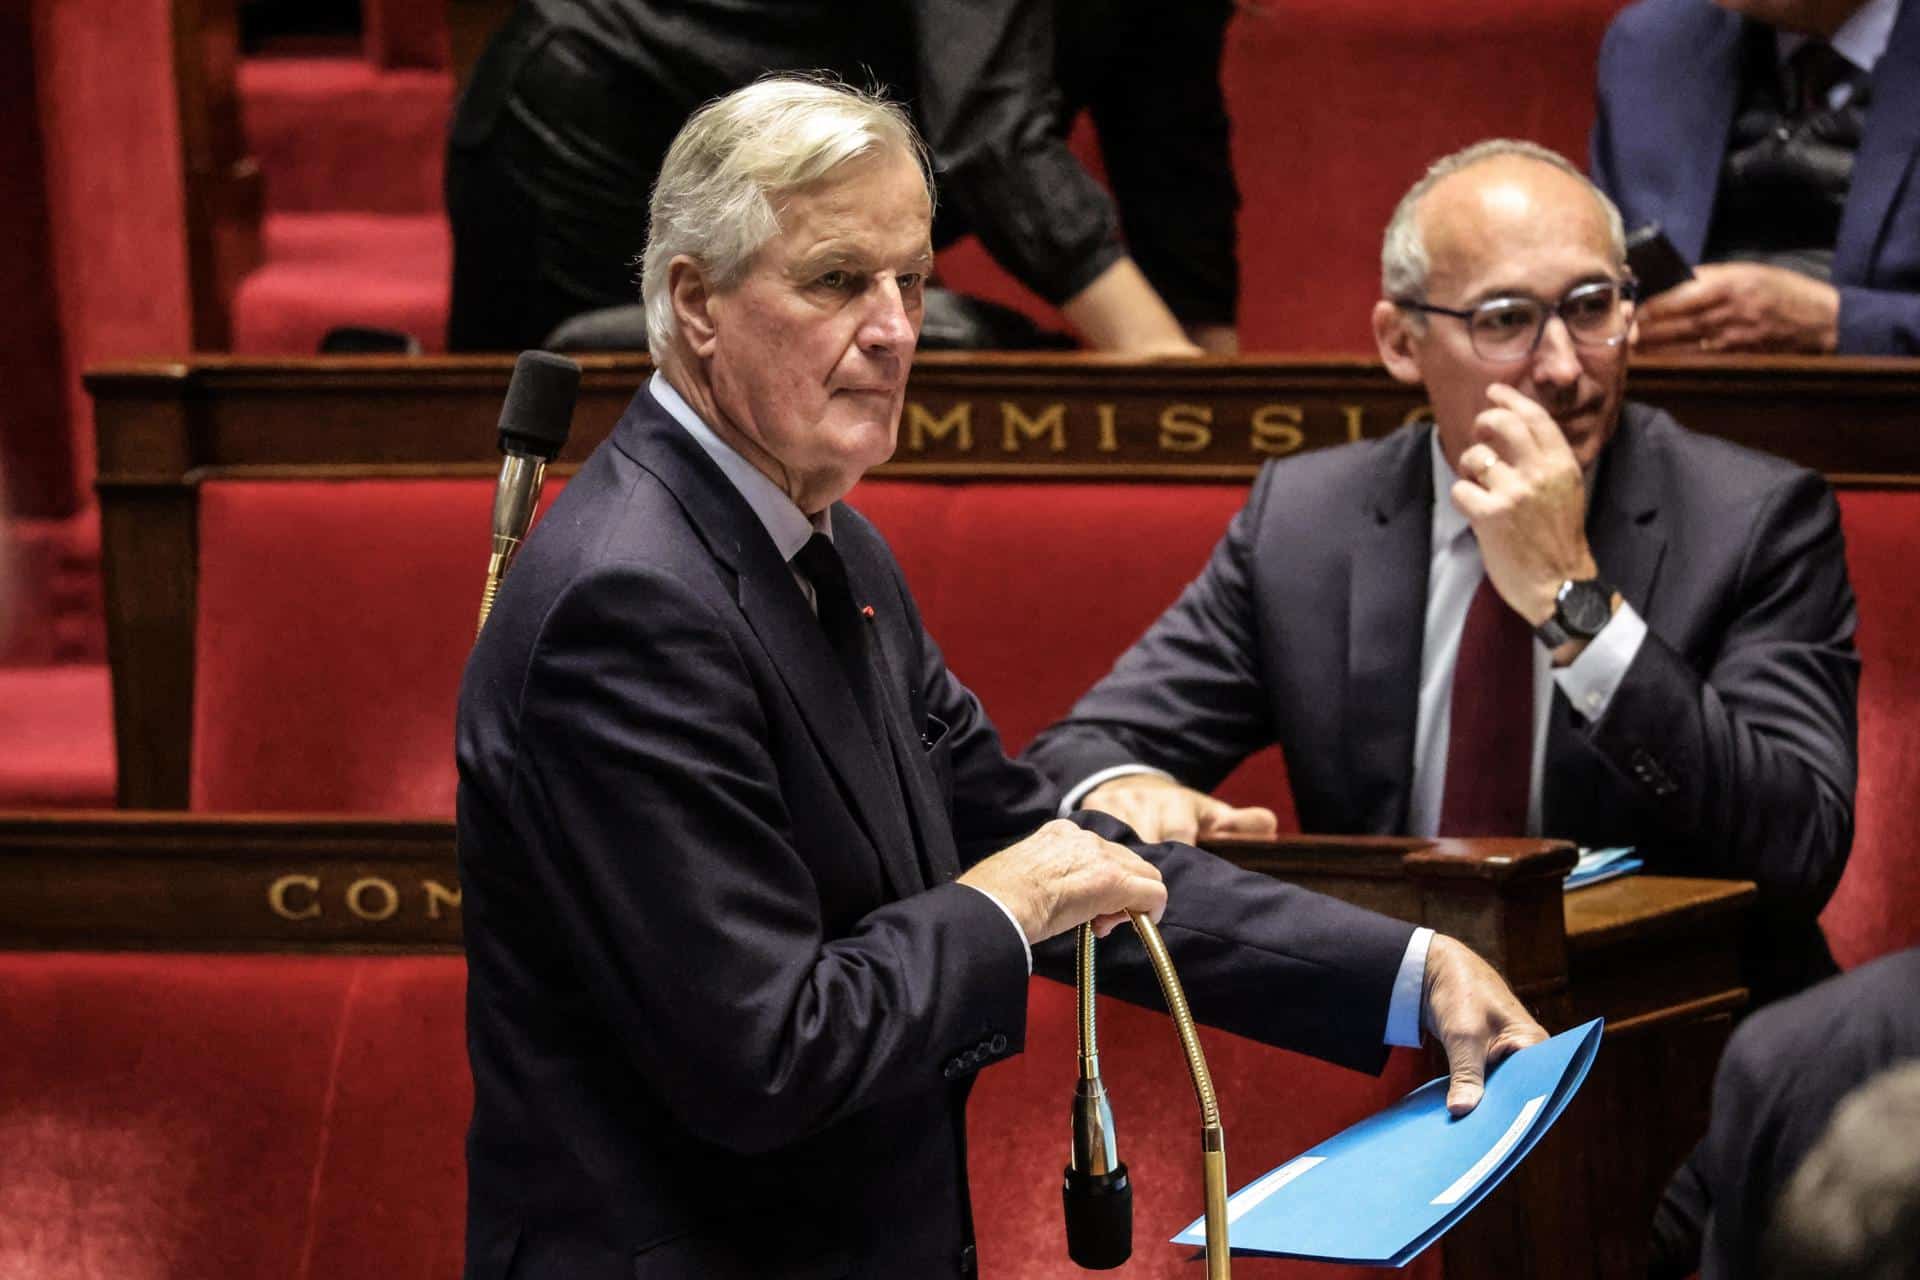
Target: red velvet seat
[233,1116]
[1876,908]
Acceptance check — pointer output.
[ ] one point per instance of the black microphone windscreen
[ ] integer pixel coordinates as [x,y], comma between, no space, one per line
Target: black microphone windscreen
[539,407]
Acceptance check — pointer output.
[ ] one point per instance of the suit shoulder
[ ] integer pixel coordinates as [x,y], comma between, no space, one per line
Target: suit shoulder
[1702,467]
[1310,489]
[1353,466]
[1652,24]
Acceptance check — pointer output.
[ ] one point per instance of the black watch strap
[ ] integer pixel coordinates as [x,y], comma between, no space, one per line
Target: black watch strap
[1581,608]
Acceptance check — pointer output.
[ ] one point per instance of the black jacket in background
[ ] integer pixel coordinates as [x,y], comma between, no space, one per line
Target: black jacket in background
[560,134]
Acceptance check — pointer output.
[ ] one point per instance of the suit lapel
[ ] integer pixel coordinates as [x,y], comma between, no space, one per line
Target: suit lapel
[1628,533]
[1698,113]
[1387,604]
[1882,169]
[777,611]
[871,579]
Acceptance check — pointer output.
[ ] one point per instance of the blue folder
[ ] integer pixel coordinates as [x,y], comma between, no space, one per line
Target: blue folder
[1379,1193]
[1596,865]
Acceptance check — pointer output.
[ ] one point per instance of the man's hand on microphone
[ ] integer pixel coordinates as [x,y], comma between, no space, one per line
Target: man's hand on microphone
[1159,809]
[1062,876]
[1476,1016]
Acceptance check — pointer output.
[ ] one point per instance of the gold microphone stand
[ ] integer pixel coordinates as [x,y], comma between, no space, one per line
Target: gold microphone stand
[1213,1142]
[514,502]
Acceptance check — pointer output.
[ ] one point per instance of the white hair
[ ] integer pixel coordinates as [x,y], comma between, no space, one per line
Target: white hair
[1403,251]
[717,198]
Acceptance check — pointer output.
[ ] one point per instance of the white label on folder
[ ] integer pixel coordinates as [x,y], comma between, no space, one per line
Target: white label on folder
[1484,1165]
[1266,1186]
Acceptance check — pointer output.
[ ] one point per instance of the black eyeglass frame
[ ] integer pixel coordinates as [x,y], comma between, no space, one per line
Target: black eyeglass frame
[1629,290]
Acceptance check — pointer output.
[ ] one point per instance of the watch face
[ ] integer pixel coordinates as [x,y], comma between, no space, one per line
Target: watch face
[1585,607]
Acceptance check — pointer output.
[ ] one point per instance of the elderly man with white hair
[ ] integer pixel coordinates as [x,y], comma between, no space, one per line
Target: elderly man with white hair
[750,888]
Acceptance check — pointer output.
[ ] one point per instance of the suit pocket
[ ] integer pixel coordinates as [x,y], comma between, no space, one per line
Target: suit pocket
[936,742]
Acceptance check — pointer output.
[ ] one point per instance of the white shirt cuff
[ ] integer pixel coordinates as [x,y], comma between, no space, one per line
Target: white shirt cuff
[1403,1010]
[1018,932]
[1589,680]
[1071,800]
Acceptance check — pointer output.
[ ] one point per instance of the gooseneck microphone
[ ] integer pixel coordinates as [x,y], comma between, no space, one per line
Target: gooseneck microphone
[1096,1194]
[533,427]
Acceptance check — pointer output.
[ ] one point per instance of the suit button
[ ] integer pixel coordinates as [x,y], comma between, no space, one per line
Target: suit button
[998,1044]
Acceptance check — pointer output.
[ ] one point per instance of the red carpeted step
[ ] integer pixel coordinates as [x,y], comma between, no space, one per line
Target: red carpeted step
[338,134]
[56,737]
[323,270]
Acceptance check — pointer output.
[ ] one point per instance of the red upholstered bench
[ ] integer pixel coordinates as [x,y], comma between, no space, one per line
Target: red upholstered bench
[183,1117]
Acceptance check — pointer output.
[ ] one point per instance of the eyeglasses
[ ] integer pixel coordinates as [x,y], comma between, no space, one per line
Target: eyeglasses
[1507,330]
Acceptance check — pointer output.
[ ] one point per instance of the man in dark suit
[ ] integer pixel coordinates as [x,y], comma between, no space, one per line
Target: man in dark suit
[749,886]
[1785,1072]
[1374,608]
[1776,142]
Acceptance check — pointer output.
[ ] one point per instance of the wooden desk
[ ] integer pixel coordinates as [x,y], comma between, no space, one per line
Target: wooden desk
[164,427]
[1654,955]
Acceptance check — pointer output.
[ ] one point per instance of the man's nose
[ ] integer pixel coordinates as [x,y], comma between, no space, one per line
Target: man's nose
[887,328]
[1556,361]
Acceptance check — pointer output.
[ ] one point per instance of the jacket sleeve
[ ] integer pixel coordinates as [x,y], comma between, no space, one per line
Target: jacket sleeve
[993,119]
[1256,957]
[1879,322]
[1189,696]
[1747,768]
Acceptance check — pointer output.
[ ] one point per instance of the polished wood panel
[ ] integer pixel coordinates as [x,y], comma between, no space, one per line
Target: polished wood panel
[224,193]
[166,426]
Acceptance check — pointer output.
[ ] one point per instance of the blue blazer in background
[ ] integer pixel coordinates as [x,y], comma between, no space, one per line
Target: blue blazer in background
[1669,81]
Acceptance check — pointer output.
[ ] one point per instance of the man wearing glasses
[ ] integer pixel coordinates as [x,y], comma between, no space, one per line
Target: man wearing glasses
[1552,611]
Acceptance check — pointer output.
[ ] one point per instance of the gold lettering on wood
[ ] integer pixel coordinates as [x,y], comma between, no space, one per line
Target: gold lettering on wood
[383,890]
[438,895]
[1419,413]
[279,891]
[1356,416]
[1109,432]
[1186,428]
[1276,429]
[1015,426]
[923,426]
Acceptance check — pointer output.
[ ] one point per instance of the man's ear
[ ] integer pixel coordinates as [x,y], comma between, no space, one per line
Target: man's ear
[1393,334]
[691,294]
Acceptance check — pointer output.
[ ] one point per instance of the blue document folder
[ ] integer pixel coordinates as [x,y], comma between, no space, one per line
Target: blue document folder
[1596,865]
[1391,1185]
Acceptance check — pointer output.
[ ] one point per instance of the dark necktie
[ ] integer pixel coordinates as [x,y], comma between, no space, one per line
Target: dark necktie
[1817,69]
[1490,738]
[846,627]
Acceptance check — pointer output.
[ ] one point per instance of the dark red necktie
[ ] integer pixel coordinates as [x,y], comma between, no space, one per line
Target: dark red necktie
[1490,740]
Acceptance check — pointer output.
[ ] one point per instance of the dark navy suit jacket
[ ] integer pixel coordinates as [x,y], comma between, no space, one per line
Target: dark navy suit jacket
[1728,748]
[724,1002]
[1784,1073]
[1669,81]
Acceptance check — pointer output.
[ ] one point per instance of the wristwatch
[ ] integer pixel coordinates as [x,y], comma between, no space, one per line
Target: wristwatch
[1580,608]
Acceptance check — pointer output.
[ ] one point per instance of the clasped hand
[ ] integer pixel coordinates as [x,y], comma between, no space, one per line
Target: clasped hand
[1742,306]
